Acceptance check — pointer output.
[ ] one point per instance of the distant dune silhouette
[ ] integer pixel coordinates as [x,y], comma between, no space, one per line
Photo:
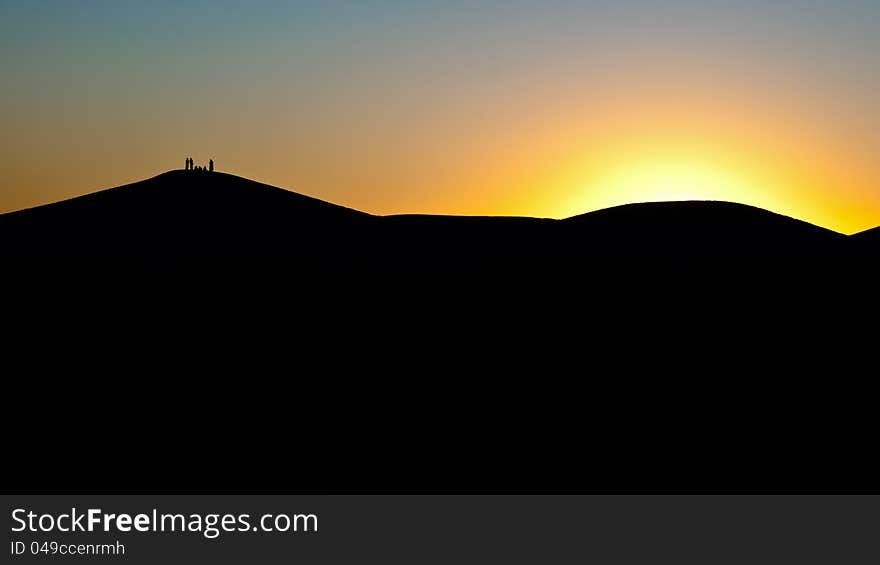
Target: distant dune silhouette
[177,214]
[866,242]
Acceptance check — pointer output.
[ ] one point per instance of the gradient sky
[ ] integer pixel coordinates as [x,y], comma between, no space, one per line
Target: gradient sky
[547,108]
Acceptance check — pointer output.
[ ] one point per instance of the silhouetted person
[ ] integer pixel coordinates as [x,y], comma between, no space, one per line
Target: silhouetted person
[211,166]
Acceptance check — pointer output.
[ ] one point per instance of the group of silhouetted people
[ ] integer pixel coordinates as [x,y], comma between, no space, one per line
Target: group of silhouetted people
[191,166]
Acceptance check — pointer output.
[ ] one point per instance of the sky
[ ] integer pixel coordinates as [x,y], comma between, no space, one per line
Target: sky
[482,107]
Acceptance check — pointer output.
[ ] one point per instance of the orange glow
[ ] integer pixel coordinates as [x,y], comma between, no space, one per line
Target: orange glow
[671,178]
[670,172]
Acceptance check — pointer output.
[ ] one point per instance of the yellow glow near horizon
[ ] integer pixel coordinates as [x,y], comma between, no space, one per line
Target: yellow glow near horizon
[675,175]
[670,180]
[698,167]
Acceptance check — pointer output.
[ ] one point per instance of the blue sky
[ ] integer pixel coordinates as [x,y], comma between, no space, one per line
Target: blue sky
[411,106]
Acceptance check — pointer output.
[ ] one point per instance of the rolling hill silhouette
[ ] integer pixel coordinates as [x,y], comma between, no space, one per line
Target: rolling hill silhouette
[866,242]
[182,213]
[701,227]
[660,344]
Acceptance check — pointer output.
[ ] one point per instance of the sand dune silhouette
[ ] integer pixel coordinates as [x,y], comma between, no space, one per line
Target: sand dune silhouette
[656,341]
[179,213]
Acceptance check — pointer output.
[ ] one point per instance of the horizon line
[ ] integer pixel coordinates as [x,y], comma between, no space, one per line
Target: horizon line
[636,203]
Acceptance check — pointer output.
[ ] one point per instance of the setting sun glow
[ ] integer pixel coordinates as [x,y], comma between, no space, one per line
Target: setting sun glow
[661,180]
[631,173]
